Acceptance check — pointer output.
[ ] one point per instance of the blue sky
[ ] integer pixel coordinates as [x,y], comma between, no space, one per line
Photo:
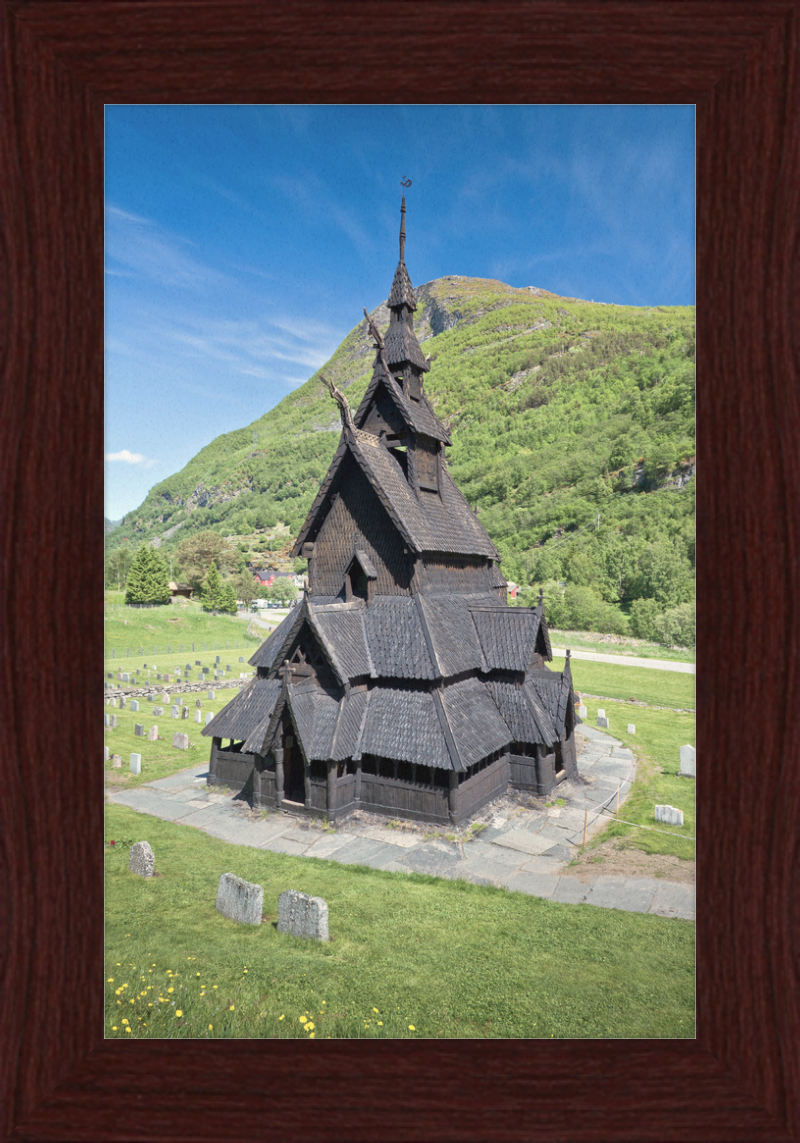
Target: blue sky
[242,242]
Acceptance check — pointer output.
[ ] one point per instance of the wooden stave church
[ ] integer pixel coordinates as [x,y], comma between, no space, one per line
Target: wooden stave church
[403,684]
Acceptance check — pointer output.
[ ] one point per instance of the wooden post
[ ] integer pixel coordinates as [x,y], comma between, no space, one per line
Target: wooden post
[616,809]
[307,785]
[452,796]
[257,781]
[278,752]
[331,787]
[585,823]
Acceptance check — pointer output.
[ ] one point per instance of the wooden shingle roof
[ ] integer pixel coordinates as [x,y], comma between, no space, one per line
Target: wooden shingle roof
[418,415]
[254,703]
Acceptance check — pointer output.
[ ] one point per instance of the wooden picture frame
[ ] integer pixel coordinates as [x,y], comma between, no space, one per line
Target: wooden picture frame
[737,60]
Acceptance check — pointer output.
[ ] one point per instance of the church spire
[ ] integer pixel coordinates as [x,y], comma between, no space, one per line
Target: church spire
[402,347]
[403,228]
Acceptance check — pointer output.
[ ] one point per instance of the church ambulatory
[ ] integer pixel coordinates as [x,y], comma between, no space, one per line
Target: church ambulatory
[403,684]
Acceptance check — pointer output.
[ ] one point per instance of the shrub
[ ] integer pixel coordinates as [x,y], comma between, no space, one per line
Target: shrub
[644,615]
[677,626]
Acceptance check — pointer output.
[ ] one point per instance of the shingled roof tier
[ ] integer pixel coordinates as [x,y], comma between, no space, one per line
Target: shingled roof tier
[419,415]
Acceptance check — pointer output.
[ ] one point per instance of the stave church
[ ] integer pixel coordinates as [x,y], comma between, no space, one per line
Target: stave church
[403,684]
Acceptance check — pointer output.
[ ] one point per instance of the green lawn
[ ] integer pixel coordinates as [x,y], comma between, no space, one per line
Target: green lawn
[586,641]
[410,956]
[658,688]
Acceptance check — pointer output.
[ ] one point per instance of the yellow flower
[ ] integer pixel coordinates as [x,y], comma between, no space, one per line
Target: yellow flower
[380,1023]
[211,1027]
[170,990]
[124,1020]
[309,1026]
[231,1008]
[179,1012]
[127,1029]
[216,986]
[374,1009]
[411,1028]
[110,980]
[282,1017]
[114,1028]
[131,1001]
[150,1005]
[313,1034]
[198,973]
[303,1019]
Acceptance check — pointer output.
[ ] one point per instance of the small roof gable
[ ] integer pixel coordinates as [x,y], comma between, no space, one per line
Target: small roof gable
[508,636]
[367,565]
[402,345]
[474,721]
[253,704]
[402,292]
[396,639]
[404,725]
[418,415]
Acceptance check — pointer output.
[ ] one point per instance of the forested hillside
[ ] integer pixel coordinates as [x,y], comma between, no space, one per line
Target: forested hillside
[573,434]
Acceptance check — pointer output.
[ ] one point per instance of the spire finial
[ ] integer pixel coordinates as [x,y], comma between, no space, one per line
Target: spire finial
[404,182]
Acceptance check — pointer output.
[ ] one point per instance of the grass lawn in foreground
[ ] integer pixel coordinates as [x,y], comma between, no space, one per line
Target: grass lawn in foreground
[657,688]
[410,955]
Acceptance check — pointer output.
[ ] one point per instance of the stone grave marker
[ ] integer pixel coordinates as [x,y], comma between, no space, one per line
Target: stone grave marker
[188,666]
[107,719]
[228,667]
[603,721]
[209,716]
[669,815]
[241,658]
[136,763]
[184,712]
[198,716]
[157,710]
[113,720]
[126,677]
[175,711]
[152,734]
[143,860]
[122,704]
[211,694]
[180,741]
[116,761]
[134,704]
[631,728]
[106,754]
[240,900]
[582,712]
[198,703]
[301,915]
[138,730]
[113,702]
[197,663]
[688,761]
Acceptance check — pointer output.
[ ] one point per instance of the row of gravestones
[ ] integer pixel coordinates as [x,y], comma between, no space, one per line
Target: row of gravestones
[299,914]
[125,676]
[688,769]
[134,703]
[110,720]
[179,741]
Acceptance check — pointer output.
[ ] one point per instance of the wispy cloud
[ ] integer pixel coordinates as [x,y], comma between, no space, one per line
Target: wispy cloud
[128,457]
[153,252]
[313,197]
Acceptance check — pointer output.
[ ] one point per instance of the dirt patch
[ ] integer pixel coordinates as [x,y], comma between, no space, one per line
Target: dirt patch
[616,858]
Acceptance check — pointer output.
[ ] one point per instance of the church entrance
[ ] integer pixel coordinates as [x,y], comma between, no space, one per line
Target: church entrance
[294,785]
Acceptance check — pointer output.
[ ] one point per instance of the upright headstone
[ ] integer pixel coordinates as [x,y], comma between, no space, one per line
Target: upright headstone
[198,703]
[143,860]
[126,677]
[122,704]
[158,676]
[157,710]
[180,741]
[134,704]
[631,728]
[184,712]
[582,711]
[211,694]
[241,658]
[670,815]
[116,761]
[113,702]
[152,734]
[228,667]
[209,716]
[688,761]
[601,713]
[175,711]
[240,900]
[138,730]
[602,721]
[107,719]
[106,754]
[198,716]
[113,720]
[301,915]
[136,763]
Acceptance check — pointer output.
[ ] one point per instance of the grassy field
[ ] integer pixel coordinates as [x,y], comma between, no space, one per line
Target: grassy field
[589,641]
[410,956]
[657,688]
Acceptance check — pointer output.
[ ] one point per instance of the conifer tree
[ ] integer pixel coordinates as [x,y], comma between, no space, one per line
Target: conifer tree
[147,580]
[218,596]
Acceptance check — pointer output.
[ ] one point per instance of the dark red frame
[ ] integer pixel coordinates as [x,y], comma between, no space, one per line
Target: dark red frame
[737,61]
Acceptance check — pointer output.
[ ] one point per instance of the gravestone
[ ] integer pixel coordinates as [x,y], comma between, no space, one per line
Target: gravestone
[106,754]
[136,763]
[116,761]
[241,658]
[669,815]
[211,694]
[197,663]
[152,734]
[209,716]
[113,702]
[184,712]
[198,716]
[601,713]
[240,900]
[243,674]
[175,711]
[157,710]
[188,666]
[687,761]
[134,704]
[602,721]
[631,728]
[198,703]
[582,712]
[107,719]
[228,667]
[301,915]
[126,677]
[167,679]
[143,860]
[180,741]
[138,730]
[158,676]
[217,659]
[113,720]
[122,704]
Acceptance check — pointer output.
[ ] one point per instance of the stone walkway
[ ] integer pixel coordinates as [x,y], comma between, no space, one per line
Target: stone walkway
[527,850]
[628,661]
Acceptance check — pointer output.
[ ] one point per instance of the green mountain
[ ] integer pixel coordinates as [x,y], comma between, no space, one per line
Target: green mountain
[573,436]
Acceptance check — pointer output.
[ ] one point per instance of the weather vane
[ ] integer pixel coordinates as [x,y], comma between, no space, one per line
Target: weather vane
[404,182]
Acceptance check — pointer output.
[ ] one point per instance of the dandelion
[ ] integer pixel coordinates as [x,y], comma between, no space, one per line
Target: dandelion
[282,1017]
[114,1028]
[216,986]
[310,1026]
[110,980]
[124,1020]
[380,1023]
[179,1012]
[411,1028]
[170,990]
[303,1019]
[127,1029]
[374,1009]
[313,1034]
[211,1027]
[198,974]
[231,1008]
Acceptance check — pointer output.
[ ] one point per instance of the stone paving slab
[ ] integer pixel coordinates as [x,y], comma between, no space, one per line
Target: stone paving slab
[426,860]
[365,851]
[157,805]
[328,844]
[183,778]
[398,837]
[628,893]
[534,884]
[571,891]
[523,841]
[281,844]
[672,899]
[492,871]
[497,854]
